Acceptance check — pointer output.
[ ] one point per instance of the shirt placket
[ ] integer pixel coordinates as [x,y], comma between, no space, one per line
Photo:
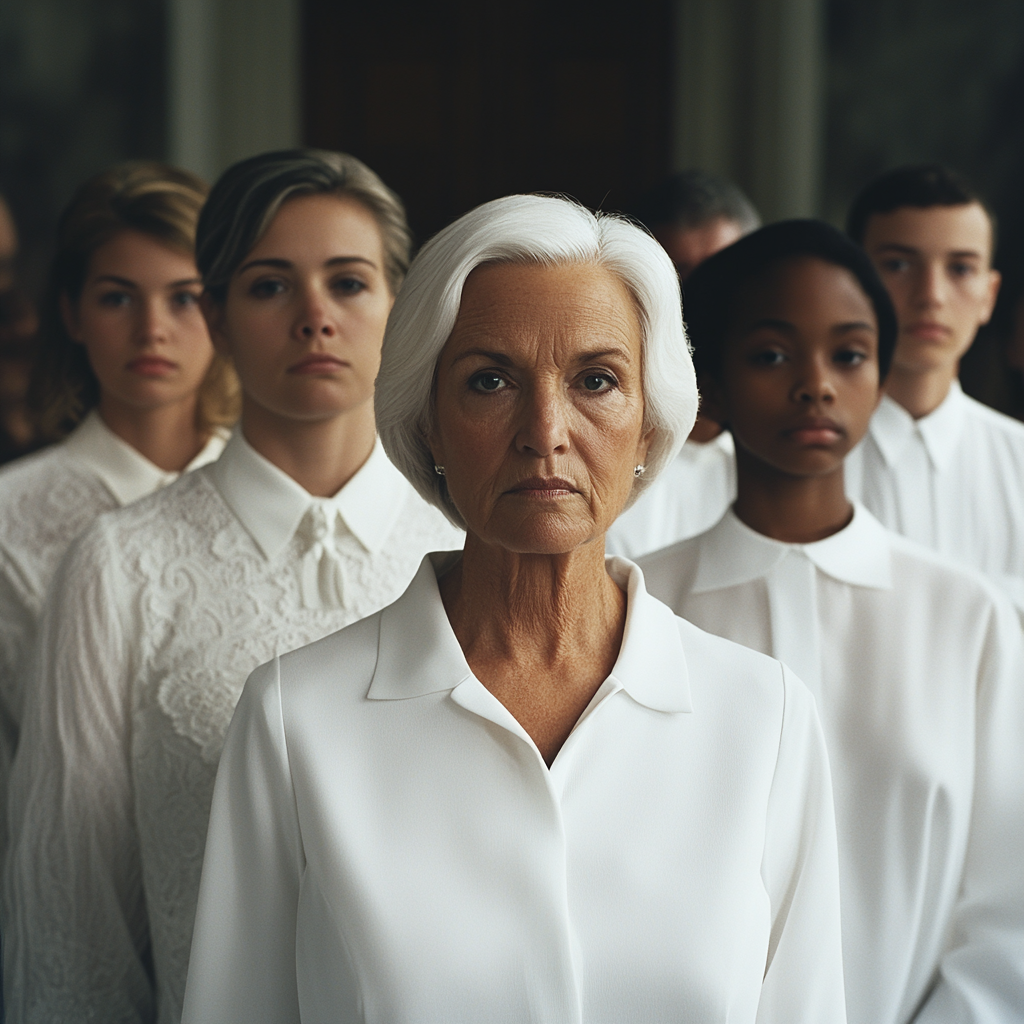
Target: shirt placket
[793,611]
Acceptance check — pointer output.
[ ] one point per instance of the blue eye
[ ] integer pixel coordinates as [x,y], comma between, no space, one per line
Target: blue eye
[598,382]
[487,382]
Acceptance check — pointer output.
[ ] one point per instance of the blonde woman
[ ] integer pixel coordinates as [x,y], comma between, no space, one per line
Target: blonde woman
[128,384]
[162,610]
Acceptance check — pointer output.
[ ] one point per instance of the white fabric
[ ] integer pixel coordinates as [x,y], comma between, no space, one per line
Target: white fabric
[387,844]
[687,498]
[953,480]
[158,614]
[918,672]
[46,500]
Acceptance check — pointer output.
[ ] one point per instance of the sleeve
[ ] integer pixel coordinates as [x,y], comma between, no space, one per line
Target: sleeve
[981,975]
[76,936]
[242,967]
[803,982]
[17,625]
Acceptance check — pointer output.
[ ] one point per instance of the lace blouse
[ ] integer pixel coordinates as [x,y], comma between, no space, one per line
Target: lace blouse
[46,500]
[159,613]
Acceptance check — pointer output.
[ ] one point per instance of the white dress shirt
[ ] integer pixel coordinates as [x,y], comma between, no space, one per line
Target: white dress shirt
[46,500]
[688,498]
[157,615]
[917,669]
[387,844]
[952,480]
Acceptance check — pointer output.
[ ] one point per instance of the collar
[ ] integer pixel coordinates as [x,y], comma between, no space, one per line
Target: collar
[892,428]
[415,632]
[122,469]
[732,553]
[270,504]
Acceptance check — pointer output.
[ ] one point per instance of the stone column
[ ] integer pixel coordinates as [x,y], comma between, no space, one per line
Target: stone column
[749,97]
[234,80]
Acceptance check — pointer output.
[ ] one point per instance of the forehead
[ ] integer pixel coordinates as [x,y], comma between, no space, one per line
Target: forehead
[531,303]
[320,226]
[932,229]
[137,256]
[803,287]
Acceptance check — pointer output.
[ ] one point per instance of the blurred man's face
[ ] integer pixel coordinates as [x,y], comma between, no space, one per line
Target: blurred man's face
[689,246]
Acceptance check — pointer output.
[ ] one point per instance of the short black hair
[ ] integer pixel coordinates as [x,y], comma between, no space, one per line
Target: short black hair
[692,199]
[710,291]
[919,185]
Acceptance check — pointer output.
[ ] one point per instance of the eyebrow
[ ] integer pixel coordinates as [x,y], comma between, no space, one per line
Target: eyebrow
[124,282]
[279,264]
[909,250]
[787,328]
[503,360]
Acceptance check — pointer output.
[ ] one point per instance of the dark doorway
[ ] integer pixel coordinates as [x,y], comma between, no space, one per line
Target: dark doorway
[457,102]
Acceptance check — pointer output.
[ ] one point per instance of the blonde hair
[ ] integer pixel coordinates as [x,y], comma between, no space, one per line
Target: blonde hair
[154,199]
[249,194]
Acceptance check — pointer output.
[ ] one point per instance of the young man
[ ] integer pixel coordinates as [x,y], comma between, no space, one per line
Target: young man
[936,465]
[915,663]
[693,215]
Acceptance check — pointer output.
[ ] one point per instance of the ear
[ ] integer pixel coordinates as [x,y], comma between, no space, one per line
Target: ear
[213,314]
[69,316]
[712,399]
[995,279]
[644,446]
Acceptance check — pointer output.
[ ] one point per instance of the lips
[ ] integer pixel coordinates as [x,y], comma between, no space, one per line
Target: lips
[543,487]
[152,366]
[928,329]
[815,431]
[317,363]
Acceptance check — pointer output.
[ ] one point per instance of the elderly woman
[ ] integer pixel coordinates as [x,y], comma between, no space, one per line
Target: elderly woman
[526,791]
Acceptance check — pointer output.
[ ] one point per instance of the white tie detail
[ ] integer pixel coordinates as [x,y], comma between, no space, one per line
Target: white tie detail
[914,498]
[322,578]
[793,608]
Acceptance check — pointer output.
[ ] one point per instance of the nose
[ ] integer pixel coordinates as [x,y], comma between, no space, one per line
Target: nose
[314,317]
[151,326]
[815,386]
[931,286]
[544,422]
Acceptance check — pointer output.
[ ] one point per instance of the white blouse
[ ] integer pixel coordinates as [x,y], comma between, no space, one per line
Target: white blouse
[917,669]
[952,480]
[46,500]
[688,498]
[387,844]
[157,616]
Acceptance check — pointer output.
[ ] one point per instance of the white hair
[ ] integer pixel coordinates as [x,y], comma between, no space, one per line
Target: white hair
[529,229]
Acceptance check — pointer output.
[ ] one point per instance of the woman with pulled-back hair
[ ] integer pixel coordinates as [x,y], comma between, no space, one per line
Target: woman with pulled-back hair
[161,610]
[128,383]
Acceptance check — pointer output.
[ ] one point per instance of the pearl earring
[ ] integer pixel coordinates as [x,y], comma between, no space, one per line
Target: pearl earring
[639,470]
[439,470]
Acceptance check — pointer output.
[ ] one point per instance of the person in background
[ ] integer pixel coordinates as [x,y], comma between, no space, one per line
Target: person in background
[525,791]
[916,664]
[936,465]
[128,384]
[162,609]
[18,327]
[692,214]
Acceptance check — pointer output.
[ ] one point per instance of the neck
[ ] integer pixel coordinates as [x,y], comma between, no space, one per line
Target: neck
[534,609]
[920,392]
[795,510]
[167,436]
[320,455]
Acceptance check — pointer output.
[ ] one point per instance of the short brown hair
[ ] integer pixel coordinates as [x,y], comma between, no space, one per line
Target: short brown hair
[154,199]
[248,195]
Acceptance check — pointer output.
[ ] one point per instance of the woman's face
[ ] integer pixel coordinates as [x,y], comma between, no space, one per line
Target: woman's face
[800,367]
[138,317]
[304,315]
[539,406]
